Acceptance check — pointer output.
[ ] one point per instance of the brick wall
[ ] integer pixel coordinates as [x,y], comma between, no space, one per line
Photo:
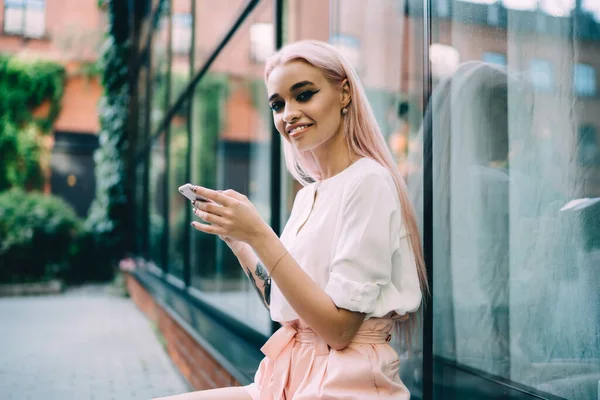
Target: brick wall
[194,363]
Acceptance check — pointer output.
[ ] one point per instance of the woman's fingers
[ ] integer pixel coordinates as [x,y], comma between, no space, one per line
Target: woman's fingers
[214,195]
[211,208]
[234,194]
[212,229]
[209,217]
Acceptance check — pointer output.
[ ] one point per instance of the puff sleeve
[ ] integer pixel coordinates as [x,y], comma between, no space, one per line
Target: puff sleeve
[365,242]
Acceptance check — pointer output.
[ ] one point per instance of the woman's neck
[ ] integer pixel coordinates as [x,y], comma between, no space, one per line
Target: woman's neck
[333,157]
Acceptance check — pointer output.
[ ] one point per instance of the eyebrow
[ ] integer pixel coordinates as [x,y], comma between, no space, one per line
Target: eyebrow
[292,88]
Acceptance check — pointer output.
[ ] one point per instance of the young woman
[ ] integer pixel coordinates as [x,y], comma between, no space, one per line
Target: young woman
[348,265]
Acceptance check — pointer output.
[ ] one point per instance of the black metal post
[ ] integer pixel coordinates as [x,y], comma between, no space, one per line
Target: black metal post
[427,206]
[276,203]
[187,266]
[167,147]
[146,159]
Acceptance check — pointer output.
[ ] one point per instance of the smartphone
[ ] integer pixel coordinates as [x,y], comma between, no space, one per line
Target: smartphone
[186,190]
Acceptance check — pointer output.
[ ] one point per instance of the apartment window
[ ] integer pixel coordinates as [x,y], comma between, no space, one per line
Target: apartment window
[443,8]
[493,14]
[584,80]
[261,41]
[540,75]
[25,17]
[182,33]
[494,58]
[589,147]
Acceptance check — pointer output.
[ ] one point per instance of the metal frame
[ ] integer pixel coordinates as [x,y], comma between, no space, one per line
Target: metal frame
[427,207]
[276,143]
[188,161]
[167,146]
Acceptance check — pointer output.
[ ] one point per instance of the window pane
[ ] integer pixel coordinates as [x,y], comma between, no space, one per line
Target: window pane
[540,74]
[35,19]
[180,213]
[515,221]
[141,202]
[13,17]
[231,150]
[158,214]
[384,43]
[182,32]
[494,58]
[160,69]
[584,80]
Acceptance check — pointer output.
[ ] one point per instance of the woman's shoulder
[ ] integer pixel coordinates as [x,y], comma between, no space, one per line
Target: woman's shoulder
[370,174]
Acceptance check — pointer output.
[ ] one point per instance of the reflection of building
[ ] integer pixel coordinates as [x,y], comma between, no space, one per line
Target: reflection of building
[67,32]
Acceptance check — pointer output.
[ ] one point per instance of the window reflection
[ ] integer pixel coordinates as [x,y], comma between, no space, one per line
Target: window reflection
[514,142]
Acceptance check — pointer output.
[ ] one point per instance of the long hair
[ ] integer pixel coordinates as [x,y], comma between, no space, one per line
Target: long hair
[363,137]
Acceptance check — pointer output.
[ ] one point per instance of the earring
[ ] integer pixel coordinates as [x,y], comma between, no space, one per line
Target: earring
[344,111]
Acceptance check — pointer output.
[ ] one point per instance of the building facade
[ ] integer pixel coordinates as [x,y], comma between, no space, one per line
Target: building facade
[492,112]
[68,32]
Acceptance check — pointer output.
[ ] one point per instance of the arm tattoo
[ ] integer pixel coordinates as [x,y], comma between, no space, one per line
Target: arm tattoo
[261,273]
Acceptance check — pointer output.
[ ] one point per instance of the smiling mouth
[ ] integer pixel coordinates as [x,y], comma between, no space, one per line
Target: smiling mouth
[299,129]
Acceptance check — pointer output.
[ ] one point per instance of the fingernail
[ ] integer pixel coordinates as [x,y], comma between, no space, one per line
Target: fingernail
[191,223]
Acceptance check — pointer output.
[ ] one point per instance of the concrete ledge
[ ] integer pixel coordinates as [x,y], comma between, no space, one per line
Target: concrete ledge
[31,289]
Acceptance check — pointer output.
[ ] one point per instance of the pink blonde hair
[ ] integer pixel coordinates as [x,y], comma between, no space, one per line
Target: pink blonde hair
[363,137]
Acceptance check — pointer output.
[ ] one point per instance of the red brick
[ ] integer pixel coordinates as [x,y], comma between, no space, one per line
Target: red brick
[200,369]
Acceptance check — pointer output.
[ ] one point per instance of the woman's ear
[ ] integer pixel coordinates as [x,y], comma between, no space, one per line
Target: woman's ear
[345,94]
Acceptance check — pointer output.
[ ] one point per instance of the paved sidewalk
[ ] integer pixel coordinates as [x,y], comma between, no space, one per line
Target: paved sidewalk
[85,344]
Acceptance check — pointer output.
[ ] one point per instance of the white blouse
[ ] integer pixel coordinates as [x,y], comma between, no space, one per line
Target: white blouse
[353,243]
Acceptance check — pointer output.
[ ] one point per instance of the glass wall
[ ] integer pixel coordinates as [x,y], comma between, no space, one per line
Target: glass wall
[516,187]
[514,122]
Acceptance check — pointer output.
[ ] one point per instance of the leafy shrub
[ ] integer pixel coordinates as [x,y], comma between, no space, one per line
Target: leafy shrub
[24,87]
[38,236]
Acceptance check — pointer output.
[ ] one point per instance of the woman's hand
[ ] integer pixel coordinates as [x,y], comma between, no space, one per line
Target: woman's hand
[231,216]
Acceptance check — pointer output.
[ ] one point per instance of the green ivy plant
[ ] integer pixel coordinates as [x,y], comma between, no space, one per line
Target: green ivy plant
[108,218]
[25,86]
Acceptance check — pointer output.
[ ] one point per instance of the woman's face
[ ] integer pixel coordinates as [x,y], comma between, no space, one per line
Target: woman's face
[306,106]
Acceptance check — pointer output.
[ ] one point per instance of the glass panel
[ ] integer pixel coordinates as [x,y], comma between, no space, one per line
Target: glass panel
[181,38]
[179,207]
[35,18]
[141,222]
[209,33]
[517,198]
[584,80]
[160,69]
[230,149]
[13,16]
[383,42]
[158,215]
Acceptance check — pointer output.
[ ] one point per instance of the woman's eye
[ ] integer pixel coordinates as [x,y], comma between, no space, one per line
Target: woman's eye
[276,105]
[305,96]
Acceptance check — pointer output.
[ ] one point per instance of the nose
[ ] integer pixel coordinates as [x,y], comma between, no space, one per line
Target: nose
[290,114]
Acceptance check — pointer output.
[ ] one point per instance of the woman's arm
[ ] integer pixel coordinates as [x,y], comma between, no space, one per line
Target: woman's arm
[336,325]
[256,272]
[234,216]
